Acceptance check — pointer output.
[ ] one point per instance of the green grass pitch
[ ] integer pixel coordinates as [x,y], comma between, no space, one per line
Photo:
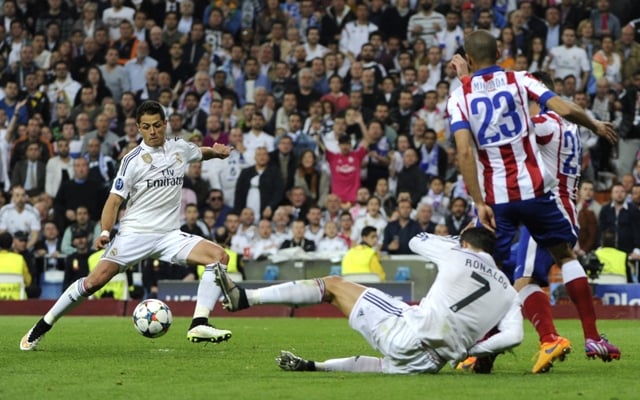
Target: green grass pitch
[105,358]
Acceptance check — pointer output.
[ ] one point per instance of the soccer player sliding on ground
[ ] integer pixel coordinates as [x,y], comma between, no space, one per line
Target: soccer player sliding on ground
[150,179]
[469,297]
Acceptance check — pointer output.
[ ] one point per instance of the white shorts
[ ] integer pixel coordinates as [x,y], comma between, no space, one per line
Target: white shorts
[378,317]
[129,248]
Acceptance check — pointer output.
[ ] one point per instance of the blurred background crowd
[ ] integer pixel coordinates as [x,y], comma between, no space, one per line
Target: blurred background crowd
[336,110]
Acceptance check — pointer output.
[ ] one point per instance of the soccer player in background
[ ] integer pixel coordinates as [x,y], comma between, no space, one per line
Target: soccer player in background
[490,120]
[150,177]
[468,298]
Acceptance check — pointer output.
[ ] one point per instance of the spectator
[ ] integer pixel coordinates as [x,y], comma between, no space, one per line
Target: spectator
[614,261]
[587,220]
[345,169]
[216,204]
[604,21]
[364,258]
[246,84]
[193,116]
[77,263]
[607,63]
[106,137]
[30,173]
[356,33]
[191,223]
[257,137]
[49,248]
[331,243]
[314,231]
[629,51]
[259,187]
[412,178]
[387,200]
[63,88]
[458,218]
[437,199]
[372,217]
[115,76]
[12,263]
[554,29]
[281,231]
[426,24]
[629,129]
[115,15]
[224,173]
[87,21]
[424,216]
[77,192]
[21,216]
[333,22]
[264,244]
[10,105]
[58,169]
[398,233]
[298,239]
[311,178]
[82,222]
[569,59]
[621,218]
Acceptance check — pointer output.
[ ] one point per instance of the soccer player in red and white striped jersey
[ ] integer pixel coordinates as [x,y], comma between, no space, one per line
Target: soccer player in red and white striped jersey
[503,170]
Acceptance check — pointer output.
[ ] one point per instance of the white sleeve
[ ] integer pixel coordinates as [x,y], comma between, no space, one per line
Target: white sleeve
[510,334]
[433,247]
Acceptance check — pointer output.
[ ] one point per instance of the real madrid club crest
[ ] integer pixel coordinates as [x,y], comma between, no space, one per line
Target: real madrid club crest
[146,157]
[178,158]
[113,252]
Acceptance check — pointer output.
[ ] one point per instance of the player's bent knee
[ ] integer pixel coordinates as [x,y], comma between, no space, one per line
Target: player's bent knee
[100,276]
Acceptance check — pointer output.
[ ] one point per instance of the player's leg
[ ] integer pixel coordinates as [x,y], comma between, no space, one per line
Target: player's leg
[291,362]
[550,225]
[75,294]
[534,263]
[197,251]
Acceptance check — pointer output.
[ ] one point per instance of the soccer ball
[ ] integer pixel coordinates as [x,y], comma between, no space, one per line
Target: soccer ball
[152,318]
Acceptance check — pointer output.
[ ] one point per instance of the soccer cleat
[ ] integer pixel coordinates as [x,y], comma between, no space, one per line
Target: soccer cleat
[207,333]
[549,352]
[31,339]
[291,362]
[484,365]
[467,364]
[28,342]
[235,297]
[601,348]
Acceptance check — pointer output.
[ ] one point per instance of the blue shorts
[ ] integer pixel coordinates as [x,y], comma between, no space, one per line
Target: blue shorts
[532,261]
[545,218]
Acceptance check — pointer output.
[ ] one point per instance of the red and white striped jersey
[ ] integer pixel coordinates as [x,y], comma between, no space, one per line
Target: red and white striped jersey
[561,151]
[493,106]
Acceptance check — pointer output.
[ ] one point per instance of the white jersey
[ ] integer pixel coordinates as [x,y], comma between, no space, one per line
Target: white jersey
[12,220]
[469,297]
[151,179]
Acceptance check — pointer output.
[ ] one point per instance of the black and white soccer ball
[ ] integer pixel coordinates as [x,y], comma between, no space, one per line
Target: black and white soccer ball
[152,318]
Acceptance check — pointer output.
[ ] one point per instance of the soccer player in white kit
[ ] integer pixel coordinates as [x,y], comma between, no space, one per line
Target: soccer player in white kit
[504,173]
[469,297]
[150,179]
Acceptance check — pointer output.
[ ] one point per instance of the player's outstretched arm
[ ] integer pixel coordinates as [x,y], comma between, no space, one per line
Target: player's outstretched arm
[510,334]
[108,219]
[218,150]
[574,113]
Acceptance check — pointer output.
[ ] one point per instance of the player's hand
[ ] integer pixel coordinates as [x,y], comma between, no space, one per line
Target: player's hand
[606,130]
[486,217]
[460,65]
[221,151]
[101,242]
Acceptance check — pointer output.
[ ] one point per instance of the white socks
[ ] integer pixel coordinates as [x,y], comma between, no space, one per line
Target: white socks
[571,271]
[308,291]
[72,296]
[351,364]
[208,293]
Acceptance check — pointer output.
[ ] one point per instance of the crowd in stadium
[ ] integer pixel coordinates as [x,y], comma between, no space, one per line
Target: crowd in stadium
[336,110]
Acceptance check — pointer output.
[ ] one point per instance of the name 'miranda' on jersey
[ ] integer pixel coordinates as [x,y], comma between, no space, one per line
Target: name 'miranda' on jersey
[488,86]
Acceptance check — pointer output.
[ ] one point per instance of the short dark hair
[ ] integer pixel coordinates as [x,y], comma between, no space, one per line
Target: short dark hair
[150,107]
[367,230]
[480,238]
[544,77]
[6,241]
[608,238]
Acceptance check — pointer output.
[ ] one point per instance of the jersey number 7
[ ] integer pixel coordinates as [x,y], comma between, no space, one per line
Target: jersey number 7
[484,289]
